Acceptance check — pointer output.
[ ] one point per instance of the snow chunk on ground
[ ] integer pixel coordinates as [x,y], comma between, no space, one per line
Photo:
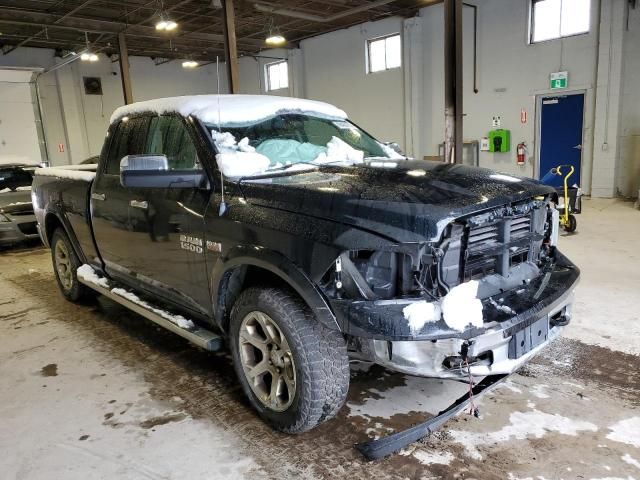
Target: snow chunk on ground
[630,460]
[241,164]
[231,109]
[626,431]
[86,272]
[26,188]
[179,320]
[461,307]
[69,172]
[420,313]
[430,457]
[523,425]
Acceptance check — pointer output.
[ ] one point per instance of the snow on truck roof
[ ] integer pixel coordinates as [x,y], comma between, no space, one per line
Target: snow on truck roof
[230,109]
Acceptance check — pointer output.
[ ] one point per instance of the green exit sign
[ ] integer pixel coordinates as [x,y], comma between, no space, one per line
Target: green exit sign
[559,80]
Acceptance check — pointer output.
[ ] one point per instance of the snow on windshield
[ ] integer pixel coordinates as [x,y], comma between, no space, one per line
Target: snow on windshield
[290,142]
[238,159]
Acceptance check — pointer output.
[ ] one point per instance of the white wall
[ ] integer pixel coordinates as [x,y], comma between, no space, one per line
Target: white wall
[335,72]
[628,178]
[77,121]
[511,72]
[407,104]
[19,141]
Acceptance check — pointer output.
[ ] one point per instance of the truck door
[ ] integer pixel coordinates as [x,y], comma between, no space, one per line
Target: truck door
[110,200]
[166,248]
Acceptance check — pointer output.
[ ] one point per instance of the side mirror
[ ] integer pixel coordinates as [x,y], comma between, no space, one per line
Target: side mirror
[152,171]
[144,162]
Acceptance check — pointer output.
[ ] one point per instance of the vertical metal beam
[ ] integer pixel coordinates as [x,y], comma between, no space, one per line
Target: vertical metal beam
[123,59]
[453,81]
[230,47]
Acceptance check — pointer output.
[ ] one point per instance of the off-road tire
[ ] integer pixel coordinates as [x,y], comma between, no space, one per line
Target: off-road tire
[319,356]
[76,292]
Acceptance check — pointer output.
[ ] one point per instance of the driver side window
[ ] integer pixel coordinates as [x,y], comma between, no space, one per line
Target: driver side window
[129,137]
[169,136]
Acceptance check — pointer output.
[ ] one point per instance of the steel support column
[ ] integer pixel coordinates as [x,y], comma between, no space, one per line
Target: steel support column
[123,59]
[230,47]
[453,81]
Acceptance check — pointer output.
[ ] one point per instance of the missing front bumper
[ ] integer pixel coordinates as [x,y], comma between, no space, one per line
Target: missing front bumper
[500,350]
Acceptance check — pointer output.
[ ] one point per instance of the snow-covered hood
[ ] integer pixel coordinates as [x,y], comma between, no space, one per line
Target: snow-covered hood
[14,202]
[411,202]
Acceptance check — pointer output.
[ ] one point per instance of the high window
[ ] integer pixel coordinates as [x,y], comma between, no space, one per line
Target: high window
[384,53]
[277,75]
[559,18]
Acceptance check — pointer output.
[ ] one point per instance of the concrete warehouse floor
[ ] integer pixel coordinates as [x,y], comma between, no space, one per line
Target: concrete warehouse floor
[92,392]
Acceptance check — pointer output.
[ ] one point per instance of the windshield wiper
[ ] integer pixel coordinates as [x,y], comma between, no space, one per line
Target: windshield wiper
[284,167]
[314,164]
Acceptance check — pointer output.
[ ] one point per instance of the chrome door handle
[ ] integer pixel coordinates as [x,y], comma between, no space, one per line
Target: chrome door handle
[98,196]
[139,204]
[579,146]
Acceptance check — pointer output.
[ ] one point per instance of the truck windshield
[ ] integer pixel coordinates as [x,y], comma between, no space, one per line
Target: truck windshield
[14,179]
[293,140]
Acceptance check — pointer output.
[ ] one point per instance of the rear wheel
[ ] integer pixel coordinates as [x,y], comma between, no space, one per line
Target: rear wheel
[65,266]
[294,371]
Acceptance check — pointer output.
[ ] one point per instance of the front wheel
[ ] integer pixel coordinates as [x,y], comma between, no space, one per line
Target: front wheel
[294,371]
[65,266]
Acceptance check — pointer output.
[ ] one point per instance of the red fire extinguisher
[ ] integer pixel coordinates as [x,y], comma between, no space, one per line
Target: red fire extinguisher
[521,151]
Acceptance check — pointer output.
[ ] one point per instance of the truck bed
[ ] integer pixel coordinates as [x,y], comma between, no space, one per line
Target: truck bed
[61,195]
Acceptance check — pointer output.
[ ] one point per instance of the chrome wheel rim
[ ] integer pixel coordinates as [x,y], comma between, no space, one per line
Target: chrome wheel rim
[63,265]
[267,361]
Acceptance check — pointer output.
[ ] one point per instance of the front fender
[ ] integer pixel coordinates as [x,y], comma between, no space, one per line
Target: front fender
[279,265]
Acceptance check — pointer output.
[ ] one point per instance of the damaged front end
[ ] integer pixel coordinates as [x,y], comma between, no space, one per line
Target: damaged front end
[525,286]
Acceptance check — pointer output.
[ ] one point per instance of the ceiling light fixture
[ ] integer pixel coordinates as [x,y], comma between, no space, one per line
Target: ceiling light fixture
[166,25]
[275,39]
[88,55]
[190,64]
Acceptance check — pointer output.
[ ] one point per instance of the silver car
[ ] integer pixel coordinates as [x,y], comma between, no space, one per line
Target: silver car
[17,222]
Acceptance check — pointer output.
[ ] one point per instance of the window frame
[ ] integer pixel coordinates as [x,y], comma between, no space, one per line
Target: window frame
[196,130]
[384,38]
[531,23]
[267,76]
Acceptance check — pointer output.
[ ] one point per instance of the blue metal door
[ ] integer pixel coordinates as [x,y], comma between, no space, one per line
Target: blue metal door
[561,136]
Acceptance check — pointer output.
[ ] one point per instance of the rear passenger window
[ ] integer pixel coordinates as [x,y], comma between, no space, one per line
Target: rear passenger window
[129,139]
[169,136]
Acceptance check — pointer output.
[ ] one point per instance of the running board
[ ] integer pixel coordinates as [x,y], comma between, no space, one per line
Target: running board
[199,336]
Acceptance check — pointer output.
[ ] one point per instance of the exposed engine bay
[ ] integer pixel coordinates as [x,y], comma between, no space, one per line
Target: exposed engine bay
[493,244]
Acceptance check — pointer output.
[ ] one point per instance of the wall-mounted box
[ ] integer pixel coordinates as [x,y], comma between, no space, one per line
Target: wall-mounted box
[500,140]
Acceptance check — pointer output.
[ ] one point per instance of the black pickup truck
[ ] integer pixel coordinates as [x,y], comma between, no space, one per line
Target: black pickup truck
[278,226]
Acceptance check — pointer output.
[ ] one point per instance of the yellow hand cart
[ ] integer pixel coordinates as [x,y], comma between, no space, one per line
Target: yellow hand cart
[571,196]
